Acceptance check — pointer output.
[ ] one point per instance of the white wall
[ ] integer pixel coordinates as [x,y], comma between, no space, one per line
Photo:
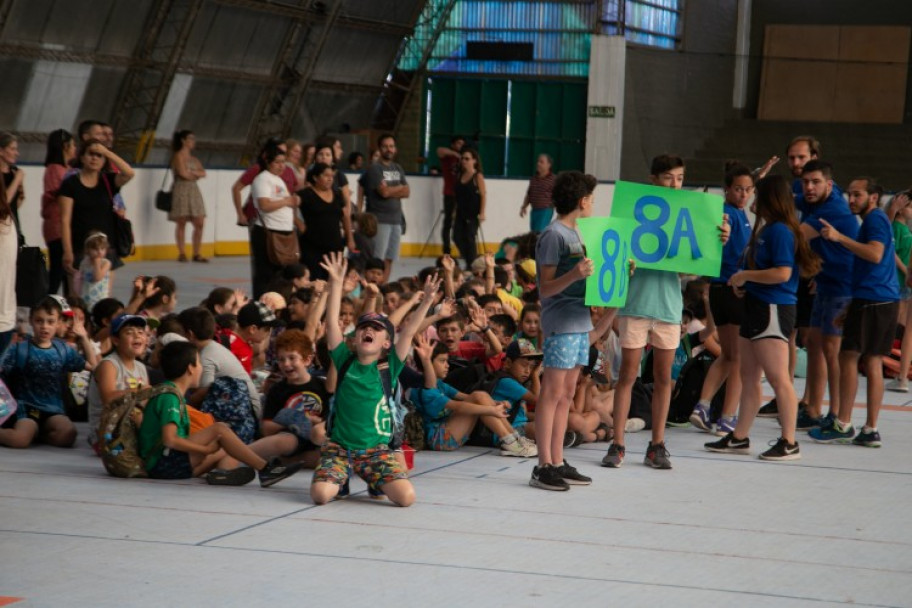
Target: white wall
[422,208]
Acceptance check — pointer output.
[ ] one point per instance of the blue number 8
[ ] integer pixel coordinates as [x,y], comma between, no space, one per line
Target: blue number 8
[610,264]
[651,227]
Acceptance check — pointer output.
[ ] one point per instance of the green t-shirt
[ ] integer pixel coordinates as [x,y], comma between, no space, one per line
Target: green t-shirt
[361,417]
[654,294]
[161,410]
[902,241]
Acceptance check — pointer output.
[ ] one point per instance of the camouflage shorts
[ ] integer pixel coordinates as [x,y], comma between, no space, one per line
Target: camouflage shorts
[376,466]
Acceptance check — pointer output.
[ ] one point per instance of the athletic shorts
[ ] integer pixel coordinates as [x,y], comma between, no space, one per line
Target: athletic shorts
[825,311]
[376,466]
[870,327]
[637,332]
[31,412]
[441,440]
[726,307]
[762,320]
[566,351]
[173,464]
[805,304]
[386,241]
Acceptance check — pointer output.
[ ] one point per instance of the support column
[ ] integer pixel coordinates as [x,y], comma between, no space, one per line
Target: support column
[742,54]
[605,116]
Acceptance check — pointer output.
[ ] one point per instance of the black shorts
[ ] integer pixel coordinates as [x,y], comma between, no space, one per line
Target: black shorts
[762,320]
[805,304]
[726,307]
[29,412]
[870,327]
[173,464]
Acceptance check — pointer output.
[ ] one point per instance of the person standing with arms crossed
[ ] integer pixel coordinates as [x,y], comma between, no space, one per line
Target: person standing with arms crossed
[385,186]
[449,169]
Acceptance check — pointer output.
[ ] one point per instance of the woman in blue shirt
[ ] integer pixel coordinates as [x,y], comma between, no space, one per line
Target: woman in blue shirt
[727,308]
[777,253]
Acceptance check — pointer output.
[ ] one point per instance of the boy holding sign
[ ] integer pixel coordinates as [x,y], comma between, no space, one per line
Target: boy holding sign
[652,315]
[562,267]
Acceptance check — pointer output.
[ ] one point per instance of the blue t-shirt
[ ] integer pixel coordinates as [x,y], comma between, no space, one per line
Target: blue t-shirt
[775,248]
[431,404]
[35,375]
[565,312]
[508,389]
[733,250]
[876,282]
[835,276]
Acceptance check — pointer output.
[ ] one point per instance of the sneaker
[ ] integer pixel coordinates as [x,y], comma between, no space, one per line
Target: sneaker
[572,476]
[782,450]
[529,445]
[657,456]
[615,456]
[830,434]
[634,425]
[770,410]
[806,422]
[898,385]
[239,476]
[726,426]
[514,448]
[548,477]
[729,445]
[572,439]
[275,471]
[867,439]
[344,491]
[700,418]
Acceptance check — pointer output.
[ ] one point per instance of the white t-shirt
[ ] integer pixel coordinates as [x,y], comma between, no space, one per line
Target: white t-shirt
[9,250]
[267,185]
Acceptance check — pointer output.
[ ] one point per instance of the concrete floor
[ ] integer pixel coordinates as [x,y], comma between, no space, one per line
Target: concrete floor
[829,529]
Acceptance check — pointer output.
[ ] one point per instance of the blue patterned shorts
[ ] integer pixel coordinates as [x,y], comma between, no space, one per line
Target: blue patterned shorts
[566,351]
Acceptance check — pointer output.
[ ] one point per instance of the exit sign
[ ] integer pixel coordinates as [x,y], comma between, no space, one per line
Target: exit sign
[601,111]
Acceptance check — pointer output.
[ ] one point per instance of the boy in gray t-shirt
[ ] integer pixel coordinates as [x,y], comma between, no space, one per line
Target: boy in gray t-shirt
[561,268]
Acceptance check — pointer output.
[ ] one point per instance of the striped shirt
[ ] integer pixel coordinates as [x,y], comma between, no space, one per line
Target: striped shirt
[539,191]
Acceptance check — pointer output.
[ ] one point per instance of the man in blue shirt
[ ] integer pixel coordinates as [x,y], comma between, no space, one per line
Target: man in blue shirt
[833,288]
[870,322]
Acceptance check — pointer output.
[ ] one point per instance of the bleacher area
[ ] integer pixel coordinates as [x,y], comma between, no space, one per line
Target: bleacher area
[829,529]
[879,151]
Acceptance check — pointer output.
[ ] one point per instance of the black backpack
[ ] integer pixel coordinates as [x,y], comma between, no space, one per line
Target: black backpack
[687,389]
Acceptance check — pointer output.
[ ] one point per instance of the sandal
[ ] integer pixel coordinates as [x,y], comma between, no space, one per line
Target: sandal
[200,259]
[182,258]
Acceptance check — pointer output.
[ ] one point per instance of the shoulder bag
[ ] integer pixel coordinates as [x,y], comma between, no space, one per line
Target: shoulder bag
[122,240]
[163,197]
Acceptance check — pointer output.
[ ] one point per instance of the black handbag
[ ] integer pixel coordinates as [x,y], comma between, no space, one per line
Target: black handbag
[122,240]
[32,280]
[163,197]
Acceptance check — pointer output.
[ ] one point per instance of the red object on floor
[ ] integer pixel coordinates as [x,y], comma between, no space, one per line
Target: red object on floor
[409,453]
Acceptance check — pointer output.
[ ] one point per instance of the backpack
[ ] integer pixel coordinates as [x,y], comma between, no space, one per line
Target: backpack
[119,443]
[686,392]
[229,401]
[394,401]
[8,405]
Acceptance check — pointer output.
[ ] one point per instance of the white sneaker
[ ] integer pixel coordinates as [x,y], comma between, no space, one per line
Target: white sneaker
[530,446]
[634,425]
[898,385]
[515,449]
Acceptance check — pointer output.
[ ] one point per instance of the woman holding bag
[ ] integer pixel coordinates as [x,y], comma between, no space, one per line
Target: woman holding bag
[86,201]
[186,199]
[273,226]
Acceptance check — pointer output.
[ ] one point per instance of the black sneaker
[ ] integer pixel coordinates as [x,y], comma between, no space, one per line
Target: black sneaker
[275,471]
[782,450]
[805,422]
[548,477]
[615,456]
[239,476]
[657,456]
[770,410]
[572,476]
[729,445]
[572,439]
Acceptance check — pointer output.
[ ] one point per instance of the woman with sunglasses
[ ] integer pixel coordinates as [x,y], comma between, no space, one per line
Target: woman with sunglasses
[86,200]
[470,204]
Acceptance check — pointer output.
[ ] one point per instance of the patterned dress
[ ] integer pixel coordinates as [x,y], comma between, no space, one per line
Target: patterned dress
[186,198]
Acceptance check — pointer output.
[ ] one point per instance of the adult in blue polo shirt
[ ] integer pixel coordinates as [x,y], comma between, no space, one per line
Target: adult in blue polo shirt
[833,288]
[870,322]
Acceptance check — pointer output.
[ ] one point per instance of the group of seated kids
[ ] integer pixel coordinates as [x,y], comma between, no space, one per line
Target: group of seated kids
[346,375]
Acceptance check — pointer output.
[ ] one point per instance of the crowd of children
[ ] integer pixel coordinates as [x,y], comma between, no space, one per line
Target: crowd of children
[344,373]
